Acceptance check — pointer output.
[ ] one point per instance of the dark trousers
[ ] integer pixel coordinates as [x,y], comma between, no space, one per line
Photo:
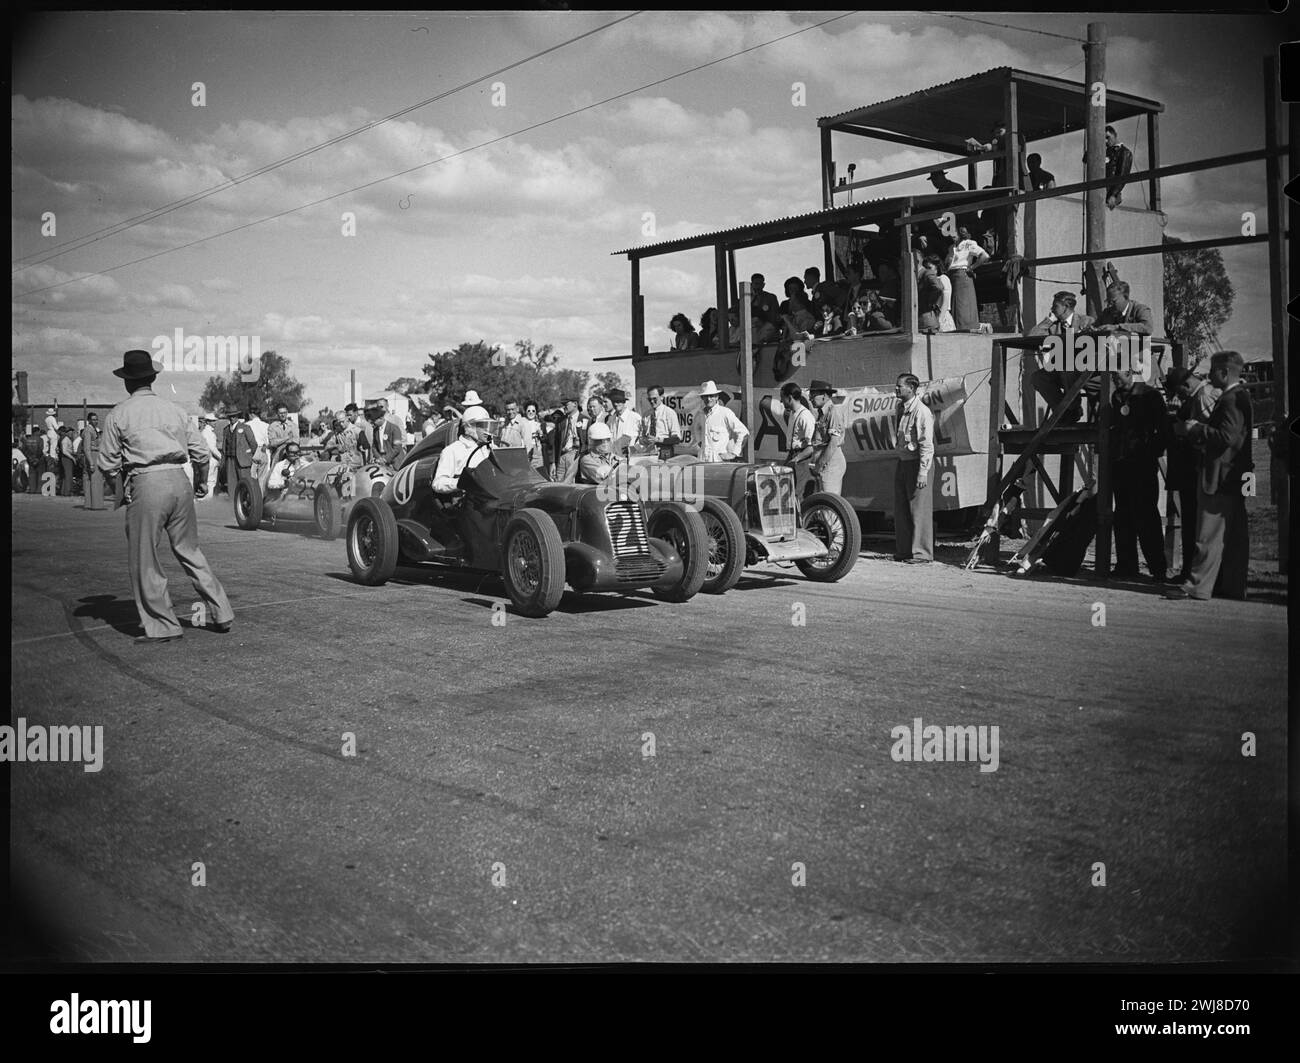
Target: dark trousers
[34,479]
[913,514]
[65,488]
[1187,510]
[1135,489]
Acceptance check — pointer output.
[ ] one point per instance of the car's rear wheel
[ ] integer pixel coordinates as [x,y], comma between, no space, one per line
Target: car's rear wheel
[833,521]
[248,503]
[683,530]
[372,542]
[329,513]
[726,546]
[533,563]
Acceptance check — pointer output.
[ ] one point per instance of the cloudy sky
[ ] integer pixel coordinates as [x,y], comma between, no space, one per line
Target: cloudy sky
[509,240]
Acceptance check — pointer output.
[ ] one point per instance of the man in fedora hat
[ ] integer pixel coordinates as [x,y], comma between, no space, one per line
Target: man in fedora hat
[721,432]
[624,424]
[147,440]
[828,438]
[382,438]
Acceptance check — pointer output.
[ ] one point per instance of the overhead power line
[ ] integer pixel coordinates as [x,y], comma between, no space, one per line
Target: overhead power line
[444,158]
[1005,26]
[57,250]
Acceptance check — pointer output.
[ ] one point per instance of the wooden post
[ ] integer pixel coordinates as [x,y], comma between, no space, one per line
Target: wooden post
[970,176]
[828,171]
[1093,85]
[1011,161]
[731,273]
[1153,156]
[997,393]
[907,278]
[1277,264]
[720,286]
[1105,512]
[747,366]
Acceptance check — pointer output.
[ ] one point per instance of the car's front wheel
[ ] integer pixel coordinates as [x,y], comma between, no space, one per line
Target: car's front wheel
[833,521]
[533,563]
[248,503]
[372,542]
[726,546]
[329,513]
[683,530]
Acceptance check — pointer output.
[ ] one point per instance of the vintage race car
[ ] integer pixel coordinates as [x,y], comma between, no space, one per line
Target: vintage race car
[752,514]
[322,492]
[536,534]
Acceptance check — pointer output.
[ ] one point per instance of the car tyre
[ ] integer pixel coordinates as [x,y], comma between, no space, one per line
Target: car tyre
[372,542]
[532,563]
[832,520]
[726,548]
[329,513]
[248,503]
[683,530]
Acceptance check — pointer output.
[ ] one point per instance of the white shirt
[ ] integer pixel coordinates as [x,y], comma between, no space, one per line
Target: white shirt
[721,434]
[284,468]
[664,423]
[210,438]
[801,426]
[453,461]
[628,423]
[260,430]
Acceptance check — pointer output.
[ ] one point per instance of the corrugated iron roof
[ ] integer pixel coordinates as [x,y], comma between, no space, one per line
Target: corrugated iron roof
[885,206]
[942,86]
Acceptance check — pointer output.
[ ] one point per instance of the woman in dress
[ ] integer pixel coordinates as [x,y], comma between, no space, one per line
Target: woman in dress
[800,320]
[963,259]
[685,338]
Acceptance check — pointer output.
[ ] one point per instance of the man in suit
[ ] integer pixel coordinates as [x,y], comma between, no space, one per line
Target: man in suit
[1052,384]
[383,438]
[281,430]
[1122,315]
[148,440]
[1139,434]
[1222,536]
[1190,398]
[570,434]
[68,459]
[90,475]
[1119,162]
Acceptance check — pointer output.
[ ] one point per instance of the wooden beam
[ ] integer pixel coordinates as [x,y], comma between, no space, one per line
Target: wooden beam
[947,164]
[1278,291]
[907,278]
[828,171]
[1150,249]
[1094,101]
[720,292]
[638,323]
[896,138]
[1214,163]
[1153,157]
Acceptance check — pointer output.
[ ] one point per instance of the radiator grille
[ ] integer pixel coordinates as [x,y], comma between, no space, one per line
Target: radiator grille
[636,569]
[627,531]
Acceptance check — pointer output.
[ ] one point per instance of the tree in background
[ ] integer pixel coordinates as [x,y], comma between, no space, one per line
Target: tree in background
[531,373]
[274,385]
[607,381]
[1198,299]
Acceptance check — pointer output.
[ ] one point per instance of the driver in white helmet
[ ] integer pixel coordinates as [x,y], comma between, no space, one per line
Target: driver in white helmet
[465,452]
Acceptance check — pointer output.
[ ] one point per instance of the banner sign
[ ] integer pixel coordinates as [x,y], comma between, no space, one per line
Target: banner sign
[870,419]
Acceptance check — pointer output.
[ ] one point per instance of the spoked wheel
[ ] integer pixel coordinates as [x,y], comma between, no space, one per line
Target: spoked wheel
[372,542]
[726,546]
[533,563]
[683,530]
[833,521]
[329,514]
[248,503]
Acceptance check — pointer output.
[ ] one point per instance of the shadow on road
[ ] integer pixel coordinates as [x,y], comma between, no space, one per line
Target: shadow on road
[118,613]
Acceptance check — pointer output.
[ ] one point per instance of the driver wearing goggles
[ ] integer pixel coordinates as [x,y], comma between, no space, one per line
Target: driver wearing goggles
[477,428]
